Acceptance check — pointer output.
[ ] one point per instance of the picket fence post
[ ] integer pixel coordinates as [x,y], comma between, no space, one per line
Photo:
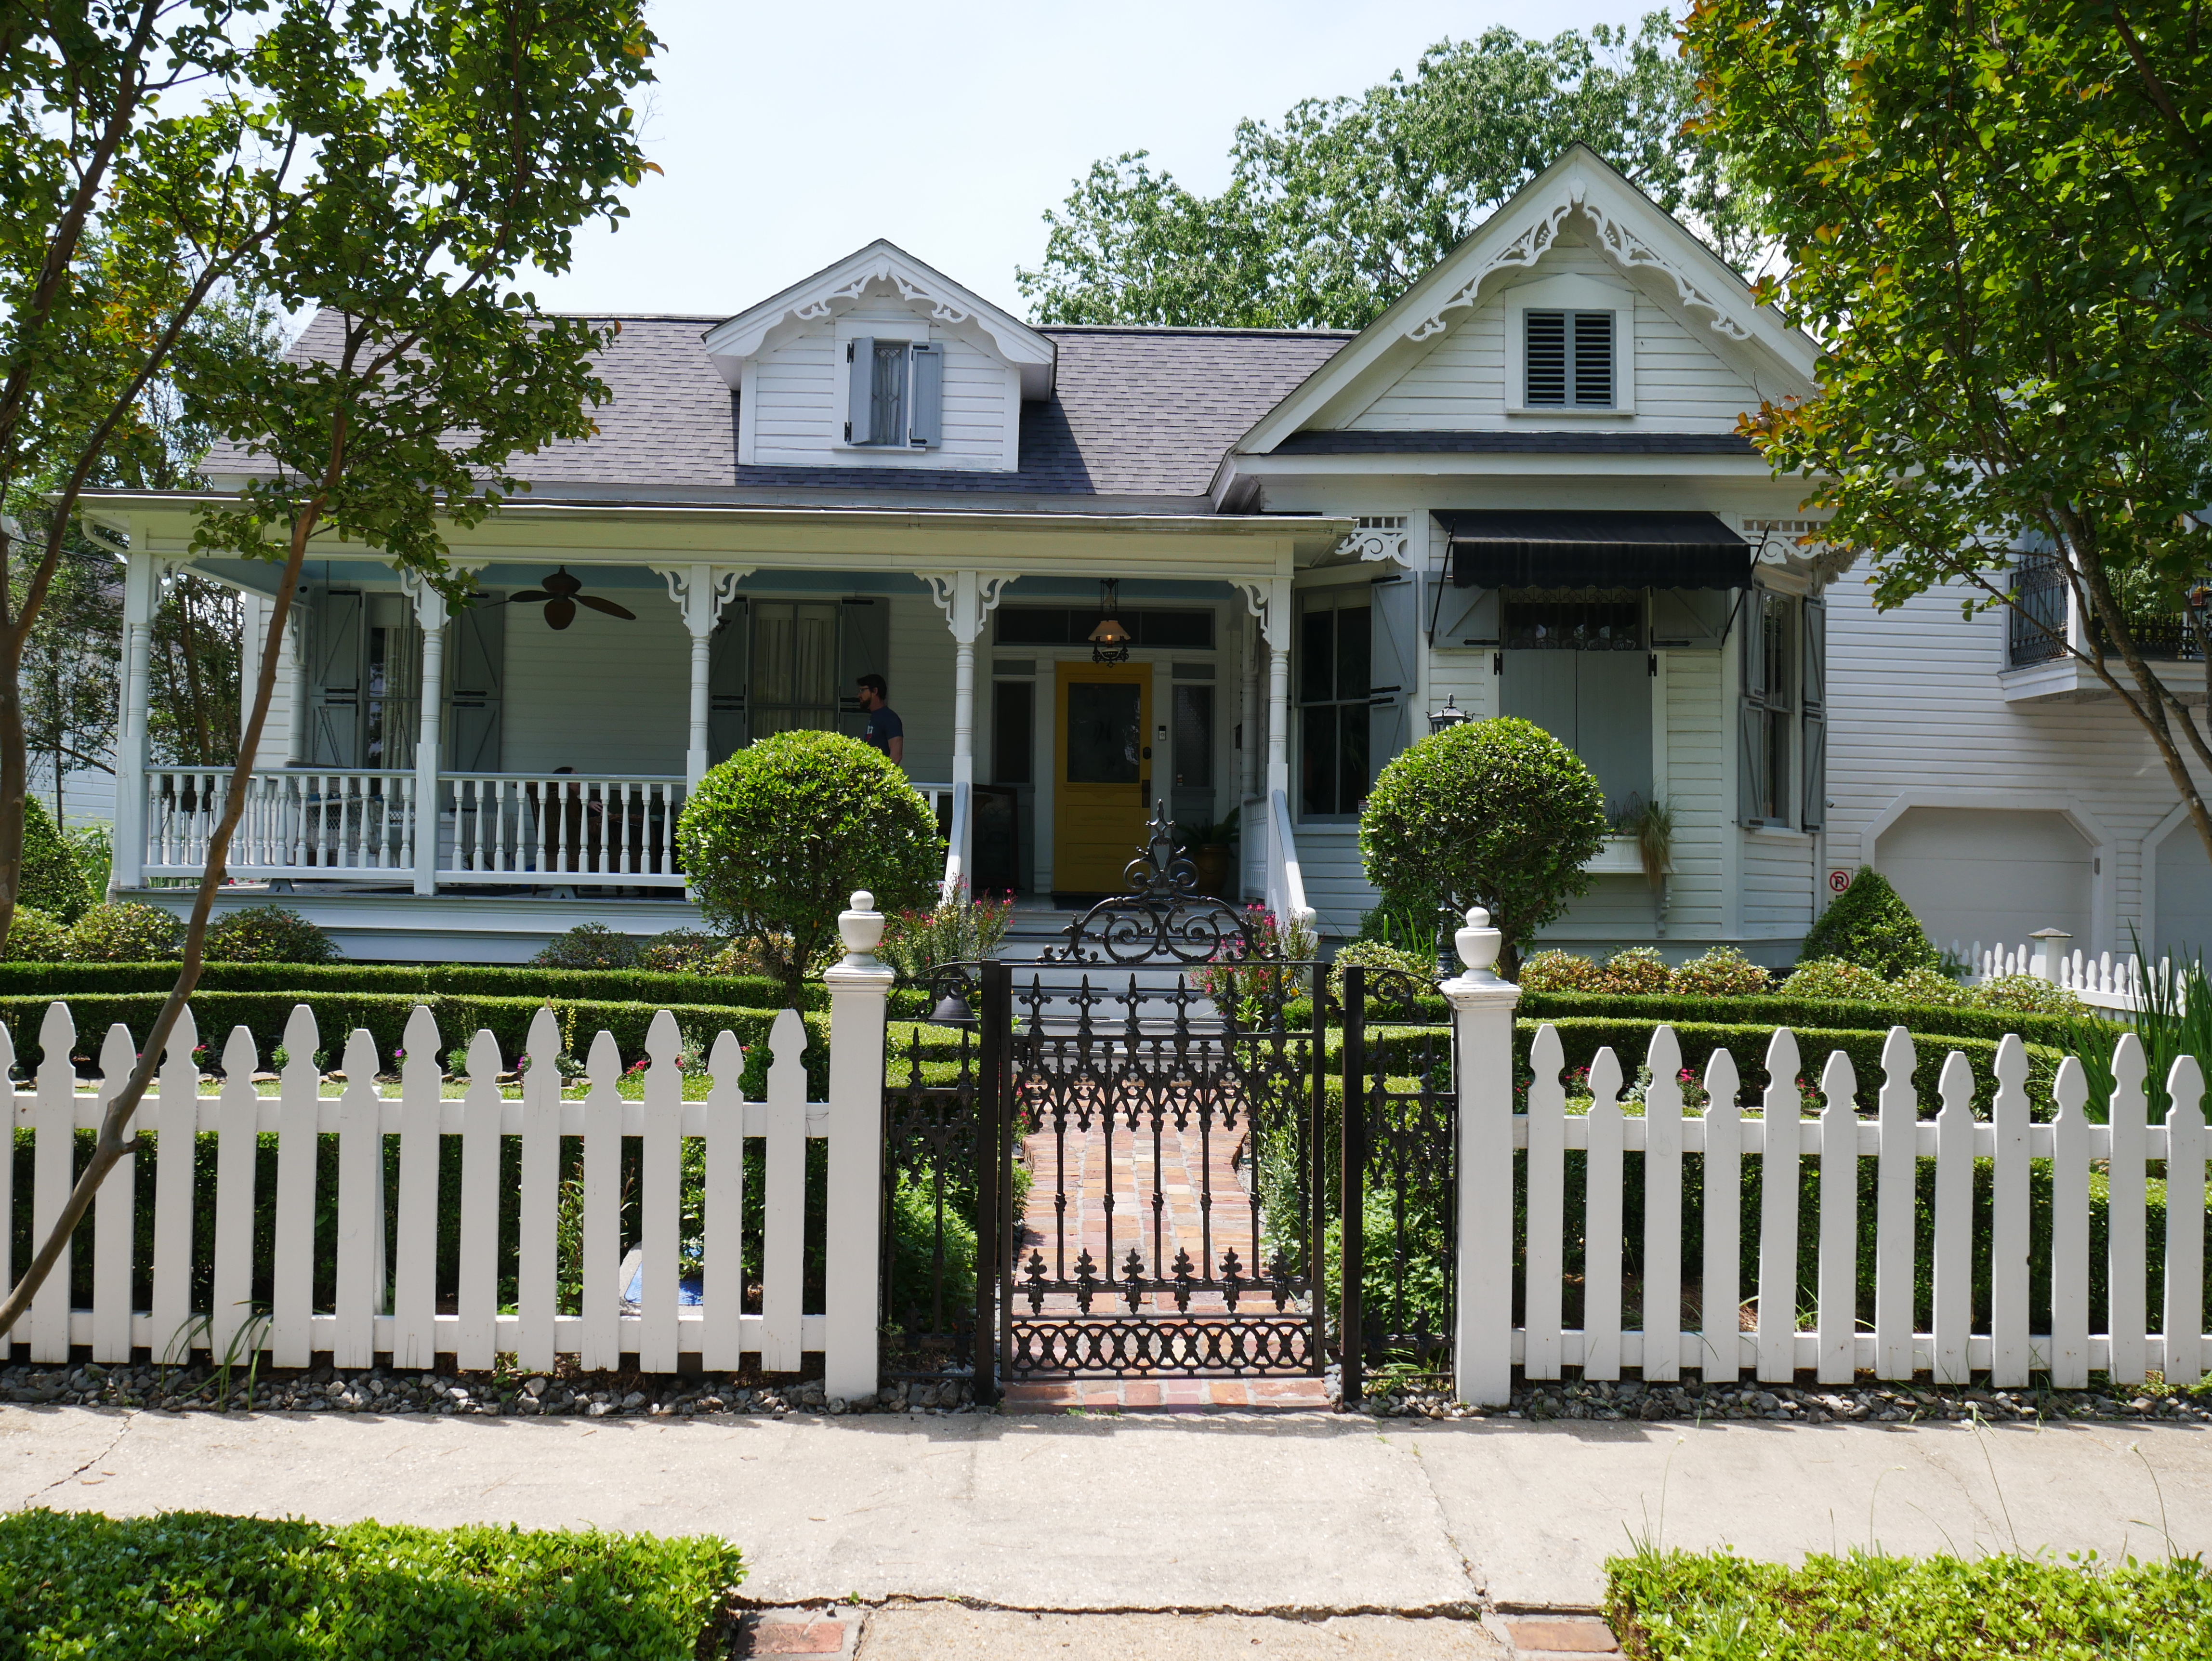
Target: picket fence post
[859,994]
[1482,1018]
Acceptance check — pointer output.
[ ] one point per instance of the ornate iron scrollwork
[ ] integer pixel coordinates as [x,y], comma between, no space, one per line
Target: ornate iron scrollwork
[1162,919]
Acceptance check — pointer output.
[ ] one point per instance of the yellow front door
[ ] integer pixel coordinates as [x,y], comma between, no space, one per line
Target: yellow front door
[1105,784]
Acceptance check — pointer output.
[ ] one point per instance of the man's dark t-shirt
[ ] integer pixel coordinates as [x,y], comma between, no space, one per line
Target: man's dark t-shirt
[884,725]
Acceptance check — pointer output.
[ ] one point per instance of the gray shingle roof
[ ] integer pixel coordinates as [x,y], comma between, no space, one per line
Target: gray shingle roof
[1362,441]
[1136,412]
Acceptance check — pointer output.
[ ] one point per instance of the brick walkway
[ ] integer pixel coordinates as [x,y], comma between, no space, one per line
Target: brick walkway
[1158,1207]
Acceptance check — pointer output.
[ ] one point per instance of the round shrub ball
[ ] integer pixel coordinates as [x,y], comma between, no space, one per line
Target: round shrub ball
[1497,813]
[589,946]
[268,933]
[1832,978]
[2024,994]
[777,838]
[1722,972]
[52,880]
[123,931]
[35,937]
[1560,971]
[1637,970]
[1927,986]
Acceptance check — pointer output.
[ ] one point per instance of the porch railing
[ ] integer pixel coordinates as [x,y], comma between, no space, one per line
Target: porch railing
[520,829]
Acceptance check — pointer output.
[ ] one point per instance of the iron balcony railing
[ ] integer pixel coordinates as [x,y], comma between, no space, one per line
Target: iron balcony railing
[2040,615]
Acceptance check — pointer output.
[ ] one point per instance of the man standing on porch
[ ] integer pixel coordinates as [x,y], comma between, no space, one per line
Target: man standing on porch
[885,729]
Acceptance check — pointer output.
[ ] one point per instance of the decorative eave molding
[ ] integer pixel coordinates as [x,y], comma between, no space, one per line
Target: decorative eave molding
[1380,537]
[847,281]
[1627,250]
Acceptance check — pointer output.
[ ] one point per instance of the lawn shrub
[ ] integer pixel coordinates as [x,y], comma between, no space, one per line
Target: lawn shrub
[53,878]
[125,931]
[589,946]
[1721,972]
[777,838]
[1635,970]
[1375,954]
[1497,813]
[1870,925]
[1677,1605]
[66,980]
[1554,970]
[268,933]
[2029,994]
[36,936]
[256,1590]
[1834,978]
[1928,986]
[681,951]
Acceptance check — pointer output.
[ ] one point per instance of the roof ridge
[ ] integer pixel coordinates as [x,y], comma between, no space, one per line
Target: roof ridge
[1193,329]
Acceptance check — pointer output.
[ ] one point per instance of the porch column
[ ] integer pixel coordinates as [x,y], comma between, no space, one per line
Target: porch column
[966,599]
[700,592]
[142,593]
[1275,623]
[430,613]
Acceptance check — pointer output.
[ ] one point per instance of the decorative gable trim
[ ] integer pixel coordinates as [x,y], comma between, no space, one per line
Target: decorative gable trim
[1635,235]
[742,337]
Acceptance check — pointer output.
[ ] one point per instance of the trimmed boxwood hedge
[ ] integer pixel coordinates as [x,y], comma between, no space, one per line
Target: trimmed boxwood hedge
[59,980]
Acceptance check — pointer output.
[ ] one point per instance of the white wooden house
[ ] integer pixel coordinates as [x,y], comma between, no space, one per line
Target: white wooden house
[1520,490]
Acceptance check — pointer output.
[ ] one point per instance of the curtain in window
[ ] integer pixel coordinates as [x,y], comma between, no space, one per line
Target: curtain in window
[794,666]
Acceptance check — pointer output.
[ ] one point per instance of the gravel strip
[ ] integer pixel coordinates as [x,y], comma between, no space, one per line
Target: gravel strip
[1881,1404]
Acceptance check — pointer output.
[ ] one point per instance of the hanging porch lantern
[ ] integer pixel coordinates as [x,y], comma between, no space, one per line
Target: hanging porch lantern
[1109,641]
[1447,717]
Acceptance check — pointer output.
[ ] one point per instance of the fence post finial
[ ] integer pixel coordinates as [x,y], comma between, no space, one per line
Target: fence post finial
[1482,1016]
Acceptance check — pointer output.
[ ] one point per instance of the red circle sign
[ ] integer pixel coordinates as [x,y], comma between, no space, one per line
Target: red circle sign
[1838,881]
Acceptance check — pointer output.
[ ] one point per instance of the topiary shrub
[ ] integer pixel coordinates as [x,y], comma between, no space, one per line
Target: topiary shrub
[1636,969]
[268,933]
[1832,978]
[1869,924]
[123,931]
[2027,995]
[1560,971]
[589,946]
[1498,813]
[682,951]
[777,838]
[53,877]
[34,937]
[1721,972]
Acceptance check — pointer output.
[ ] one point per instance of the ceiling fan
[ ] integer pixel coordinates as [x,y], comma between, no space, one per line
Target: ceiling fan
[560,596]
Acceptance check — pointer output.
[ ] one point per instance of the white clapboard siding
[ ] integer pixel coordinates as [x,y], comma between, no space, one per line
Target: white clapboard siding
[2134,1340]
[385,1296]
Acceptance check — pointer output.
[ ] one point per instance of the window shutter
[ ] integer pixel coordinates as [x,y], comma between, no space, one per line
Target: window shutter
[1593,359]
[1814,658]
[477,660]
[1545,356]
[860,389]
[1751,713]
[334,679]
[926,396]
[1394,668]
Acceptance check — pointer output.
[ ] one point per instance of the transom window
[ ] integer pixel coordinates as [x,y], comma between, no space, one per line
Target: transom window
[1568,357]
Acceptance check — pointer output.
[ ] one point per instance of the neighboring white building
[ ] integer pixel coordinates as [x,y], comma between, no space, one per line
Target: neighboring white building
[1521,490]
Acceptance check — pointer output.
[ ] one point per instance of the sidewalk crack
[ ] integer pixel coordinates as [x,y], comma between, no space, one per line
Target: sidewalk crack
[130,1417]
[1479,1598]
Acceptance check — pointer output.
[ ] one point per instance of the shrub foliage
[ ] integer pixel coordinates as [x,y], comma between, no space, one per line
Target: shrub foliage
[53,877]
[123,931]
[779,838]
[1492,813]
[589,946]
[268,933]
[1870,925]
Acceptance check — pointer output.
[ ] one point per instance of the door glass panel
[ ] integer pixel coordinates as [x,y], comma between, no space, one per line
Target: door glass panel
[794,667]
[1102,736]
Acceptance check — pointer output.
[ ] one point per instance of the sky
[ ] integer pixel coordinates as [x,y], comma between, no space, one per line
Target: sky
[788,137]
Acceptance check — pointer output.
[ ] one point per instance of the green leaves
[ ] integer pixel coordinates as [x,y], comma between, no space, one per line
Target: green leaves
[1492,813]
[1330,216]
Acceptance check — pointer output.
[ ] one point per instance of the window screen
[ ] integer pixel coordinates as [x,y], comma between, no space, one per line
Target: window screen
[1568,358]
[1335,649]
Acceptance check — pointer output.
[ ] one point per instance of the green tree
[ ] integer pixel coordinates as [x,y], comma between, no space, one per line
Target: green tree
[777,839]
[457,143]
[1330,216]
[1493,813]
[1997,221]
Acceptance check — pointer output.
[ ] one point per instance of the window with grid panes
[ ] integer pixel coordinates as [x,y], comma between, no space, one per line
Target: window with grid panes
[1335,660]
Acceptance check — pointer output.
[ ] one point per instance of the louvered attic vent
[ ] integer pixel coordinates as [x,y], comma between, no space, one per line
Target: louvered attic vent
[1568,359]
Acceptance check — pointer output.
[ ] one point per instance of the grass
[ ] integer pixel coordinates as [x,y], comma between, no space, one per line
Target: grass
[190,1583]
[1715,1606]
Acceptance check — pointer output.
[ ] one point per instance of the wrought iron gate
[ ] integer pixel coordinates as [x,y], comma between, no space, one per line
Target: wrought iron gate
[1145,1125]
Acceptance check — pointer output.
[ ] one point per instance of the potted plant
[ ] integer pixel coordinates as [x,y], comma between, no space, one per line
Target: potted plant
[1211,846]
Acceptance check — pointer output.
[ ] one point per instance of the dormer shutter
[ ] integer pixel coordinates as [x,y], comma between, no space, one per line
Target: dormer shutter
[926,395]
[859,390]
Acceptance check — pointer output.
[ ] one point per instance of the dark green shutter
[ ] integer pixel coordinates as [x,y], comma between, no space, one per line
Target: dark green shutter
[1814,658]
[860,389]
[475,669]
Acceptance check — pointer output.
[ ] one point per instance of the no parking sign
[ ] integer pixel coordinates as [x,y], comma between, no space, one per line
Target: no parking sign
[1839,880]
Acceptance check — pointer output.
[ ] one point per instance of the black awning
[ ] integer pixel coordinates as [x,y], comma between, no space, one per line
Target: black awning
[1531,548]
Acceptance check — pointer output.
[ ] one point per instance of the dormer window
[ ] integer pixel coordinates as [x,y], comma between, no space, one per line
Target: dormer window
[1568,359]
[896,395]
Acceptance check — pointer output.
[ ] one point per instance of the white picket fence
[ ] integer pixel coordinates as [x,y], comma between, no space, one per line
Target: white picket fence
[2099,979]
[1834,1346]
[386,1292]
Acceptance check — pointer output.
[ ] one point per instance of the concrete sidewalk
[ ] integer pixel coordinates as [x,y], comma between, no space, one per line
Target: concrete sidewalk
[1296,1513]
